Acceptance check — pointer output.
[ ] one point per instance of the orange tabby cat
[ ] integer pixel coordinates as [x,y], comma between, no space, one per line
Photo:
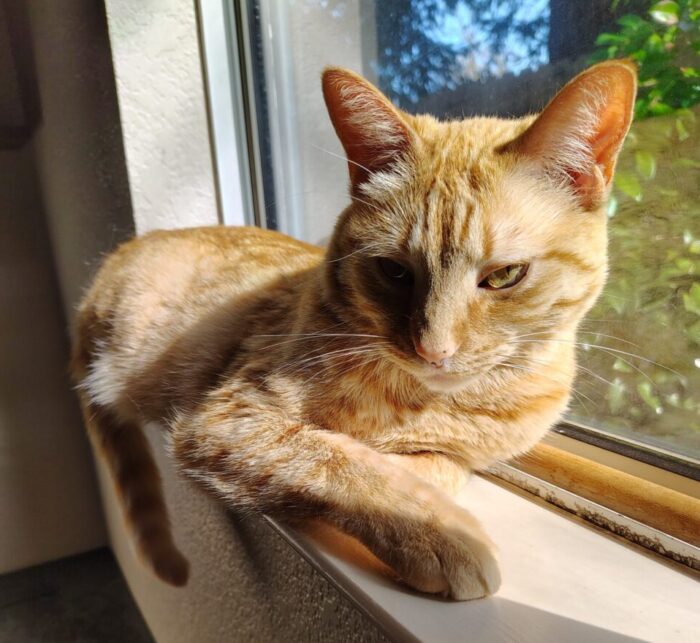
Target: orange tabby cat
[363,383]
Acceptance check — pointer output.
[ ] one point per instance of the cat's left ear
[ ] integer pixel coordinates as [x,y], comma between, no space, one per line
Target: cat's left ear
[578,136]
[373,132]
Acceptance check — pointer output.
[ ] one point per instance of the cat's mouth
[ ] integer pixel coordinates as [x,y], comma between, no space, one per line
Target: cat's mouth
[442,380]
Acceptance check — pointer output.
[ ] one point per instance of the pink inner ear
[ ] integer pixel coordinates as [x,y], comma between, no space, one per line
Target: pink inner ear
[611,131]
[371,130]
[580,133]
[608,135]
[590,187]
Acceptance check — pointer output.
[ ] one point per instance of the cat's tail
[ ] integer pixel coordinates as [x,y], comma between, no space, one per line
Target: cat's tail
[138,484]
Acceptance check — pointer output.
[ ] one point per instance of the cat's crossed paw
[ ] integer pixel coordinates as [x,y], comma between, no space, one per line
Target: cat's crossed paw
[461,562]
[470,566]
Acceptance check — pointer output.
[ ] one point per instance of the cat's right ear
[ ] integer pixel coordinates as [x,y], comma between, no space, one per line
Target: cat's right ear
[372,131]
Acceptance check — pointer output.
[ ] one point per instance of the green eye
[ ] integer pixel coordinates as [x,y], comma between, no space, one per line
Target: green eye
[504,277]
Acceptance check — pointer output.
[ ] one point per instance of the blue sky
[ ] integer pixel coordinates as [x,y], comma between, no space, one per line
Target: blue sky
[465,28]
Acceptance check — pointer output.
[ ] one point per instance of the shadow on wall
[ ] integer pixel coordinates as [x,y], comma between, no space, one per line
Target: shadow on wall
[47,490]
[78,146]
[64,201]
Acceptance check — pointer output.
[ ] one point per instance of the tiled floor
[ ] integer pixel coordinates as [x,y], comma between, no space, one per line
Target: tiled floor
[81,599]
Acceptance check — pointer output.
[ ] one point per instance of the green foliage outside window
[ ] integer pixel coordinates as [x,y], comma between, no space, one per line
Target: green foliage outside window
[665,45]
[652,300]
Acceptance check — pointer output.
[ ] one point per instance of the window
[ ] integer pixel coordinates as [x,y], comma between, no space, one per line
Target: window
[639,383]
[638,390]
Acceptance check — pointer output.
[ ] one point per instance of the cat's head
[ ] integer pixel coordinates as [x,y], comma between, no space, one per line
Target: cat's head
[466,238]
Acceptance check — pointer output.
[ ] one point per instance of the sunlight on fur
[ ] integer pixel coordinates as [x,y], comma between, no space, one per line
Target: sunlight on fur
[360,385]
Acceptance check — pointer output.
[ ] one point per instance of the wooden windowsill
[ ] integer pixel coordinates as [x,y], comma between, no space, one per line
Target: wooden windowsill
[667,510]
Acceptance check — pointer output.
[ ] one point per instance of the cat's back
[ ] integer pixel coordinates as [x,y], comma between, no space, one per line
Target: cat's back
[194,265]
[210,252]
[155,289]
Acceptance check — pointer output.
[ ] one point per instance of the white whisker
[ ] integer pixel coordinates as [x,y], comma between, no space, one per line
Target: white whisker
[342,158]
[300,365]
[574,391]
[585,332]
[602,348]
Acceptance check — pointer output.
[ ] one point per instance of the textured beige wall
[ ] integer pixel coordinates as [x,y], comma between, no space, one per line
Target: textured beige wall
[49,505]
[163,112]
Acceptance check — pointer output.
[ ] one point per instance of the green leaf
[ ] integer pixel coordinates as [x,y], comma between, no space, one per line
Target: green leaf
[665,12]
[621,366]
[612,206]
[691,299]
[628,183]
[616,396]
[685,265]
[646,164]
[615,303]
[632,22]
[655,43]
[681,129]
[646,393]
[693,332]
[658,108]
[610,39]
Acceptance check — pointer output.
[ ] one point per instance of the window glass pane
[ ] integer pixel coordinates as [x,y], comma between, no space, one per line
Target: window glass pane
[640,347]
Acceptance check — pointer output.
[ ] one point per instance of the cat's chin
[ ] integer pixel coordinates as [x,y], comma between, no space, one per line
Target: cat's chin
[440,381]
[446,382]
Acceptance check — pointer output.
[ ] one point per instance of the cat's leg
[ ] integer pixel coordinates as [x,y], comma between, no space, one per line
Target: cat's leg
[444,472]
[248,451]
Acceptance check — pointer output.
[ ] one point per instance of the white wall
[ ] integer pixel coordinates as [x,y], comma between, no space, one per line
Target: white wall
[163,113]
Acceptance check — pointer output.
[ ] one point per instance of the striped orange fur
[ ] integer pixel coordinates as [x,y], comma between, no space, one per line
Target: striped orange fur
[363,383]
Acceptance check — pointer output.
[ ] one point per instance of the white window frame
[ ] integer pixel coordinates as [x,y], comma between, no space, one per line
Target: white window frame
[227,111]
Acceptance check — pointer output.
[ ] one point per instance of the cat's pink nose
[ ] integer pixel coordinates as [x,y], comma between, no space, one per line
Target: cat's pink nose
[436,356]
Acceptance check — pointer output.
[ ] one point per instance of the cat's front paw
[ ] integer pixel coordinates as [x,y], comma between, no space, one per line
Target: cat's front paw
[459,560]
[469,564]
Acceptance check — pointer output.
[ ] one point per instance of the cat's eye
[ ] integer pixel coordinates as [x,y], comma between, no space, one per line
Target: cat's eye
[504,277]
[395,271]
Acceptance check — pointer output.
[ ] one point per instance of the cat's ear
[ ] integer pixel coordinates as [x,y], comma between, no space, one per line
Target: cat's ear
[373,132]
[578,136]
